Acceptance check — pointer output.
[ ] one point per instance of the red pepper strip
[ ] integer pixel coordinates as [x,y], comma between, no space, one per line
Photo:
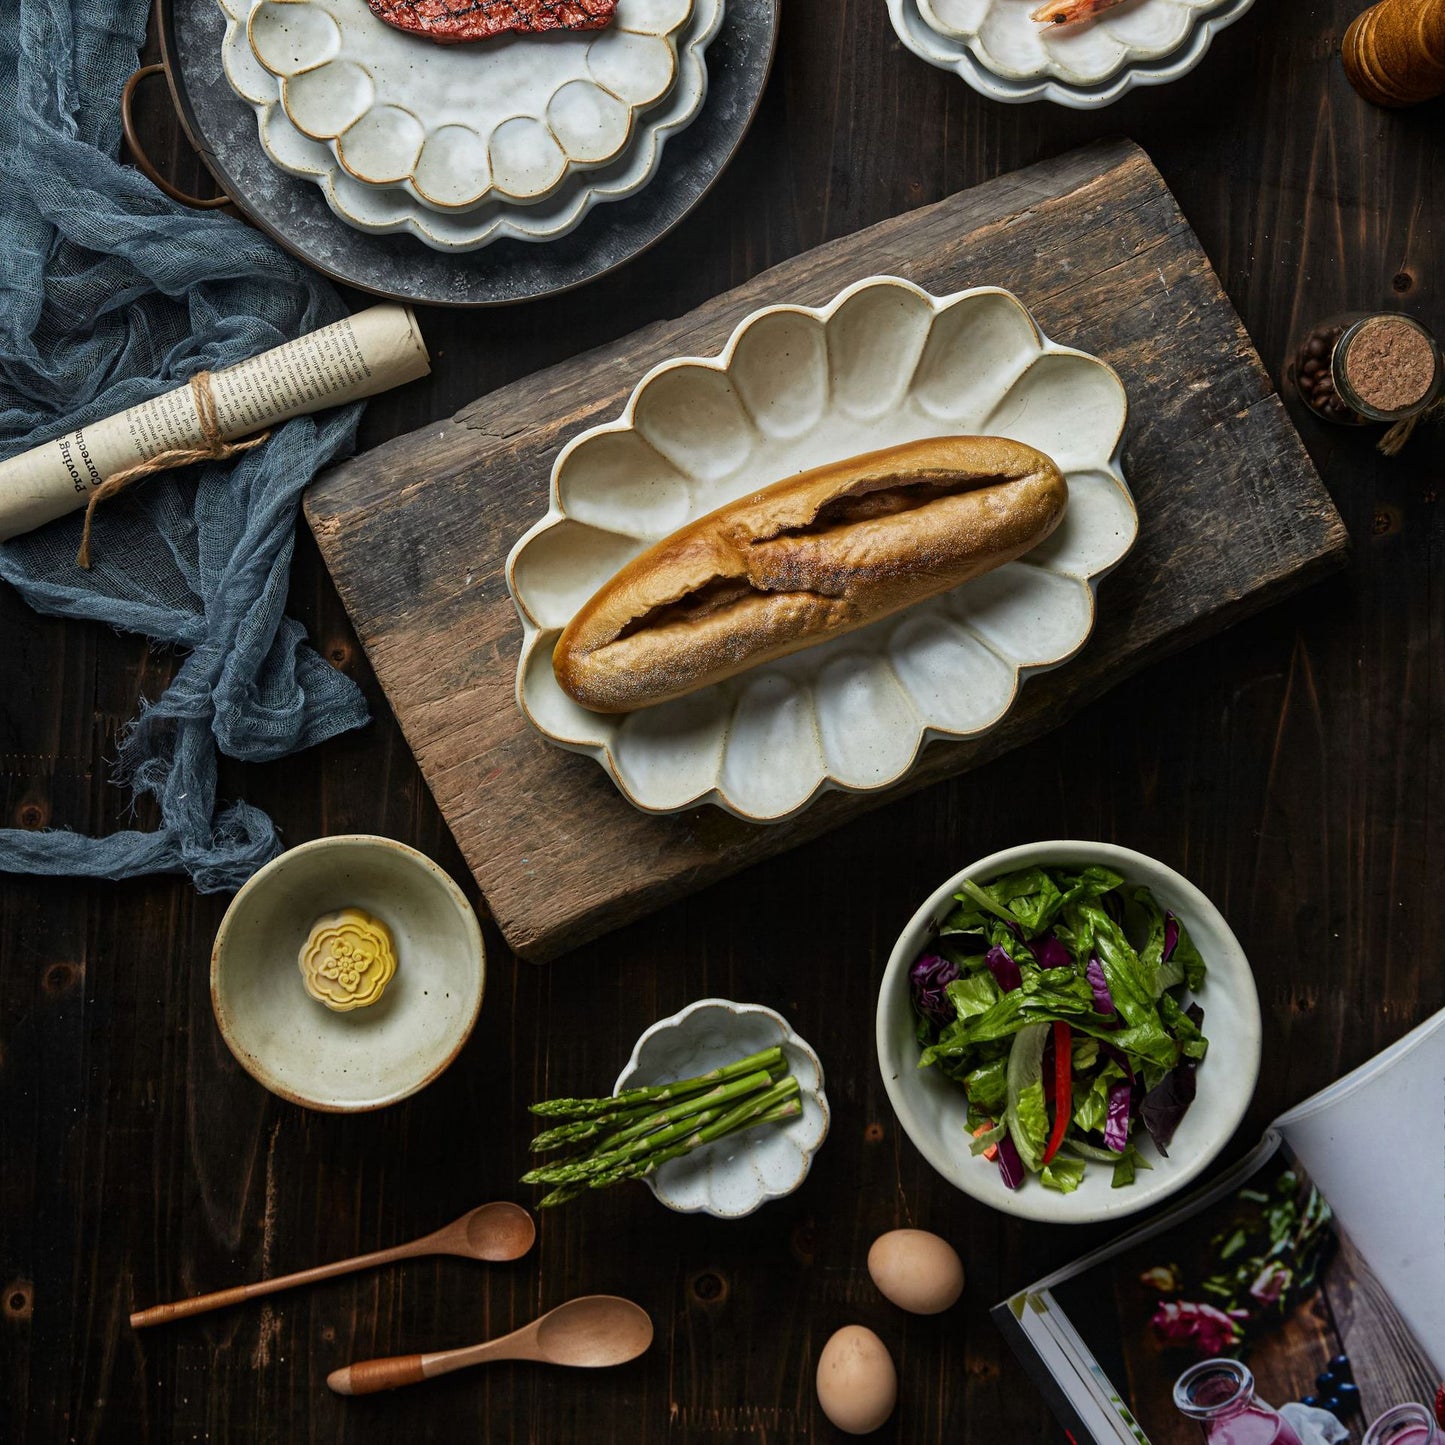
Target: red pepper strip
[1063,1087]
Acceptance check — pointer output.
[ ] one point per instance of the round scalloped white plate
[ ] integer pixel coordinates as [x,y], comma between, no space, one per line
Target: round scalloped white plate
[384,211]
[456,125]
[733,1176]
[949,52]
[796,387]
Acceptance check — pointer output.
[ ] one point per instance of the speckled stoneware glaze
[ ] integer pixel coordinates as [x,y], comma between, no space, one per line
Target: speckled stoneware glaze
[395,208]
[362,1059]
[933,1110]
[457,124]
[796,387]
[994,47]
[737,1175]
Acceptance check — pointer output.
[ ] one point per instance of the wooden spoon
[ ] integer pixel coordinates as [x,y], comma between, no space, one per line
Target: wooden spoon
[595,1330]
[492,1232]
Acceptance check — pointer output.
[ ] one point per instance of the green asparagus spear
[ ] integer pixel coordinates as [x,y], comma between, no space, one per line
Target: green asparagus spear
[725,1093]
[700,1129]
[656,1093]
[779,1113]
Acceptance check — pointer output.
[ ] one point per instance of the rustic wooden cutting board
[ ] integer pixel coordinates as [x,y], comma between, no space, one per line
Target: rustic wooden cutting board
[417,531]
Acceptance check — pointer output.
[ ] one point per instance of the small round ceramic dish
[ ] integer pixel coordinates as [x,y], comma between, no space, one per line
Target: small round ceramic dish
[737,1175]
[363,1058]
[795,387]
[937,40]
[933,1110]
[455,125]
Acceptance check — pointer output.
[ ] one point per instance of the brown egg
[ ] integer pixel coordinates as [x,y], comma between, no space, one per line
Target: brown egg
[917,1271]
[857,1384]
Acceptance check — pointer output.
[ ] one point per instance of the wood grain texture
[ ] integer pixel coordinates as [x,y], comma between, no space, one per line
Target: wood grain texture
[416,533]
[1291,767]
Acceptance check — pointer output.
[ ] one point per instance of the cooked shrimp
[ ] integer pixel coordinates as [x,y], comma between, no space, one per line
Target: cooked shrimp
[1071,12]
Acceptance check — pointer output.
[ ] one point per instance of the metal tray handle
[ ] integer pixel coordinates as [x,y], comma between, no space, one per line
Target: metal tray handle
[143,161]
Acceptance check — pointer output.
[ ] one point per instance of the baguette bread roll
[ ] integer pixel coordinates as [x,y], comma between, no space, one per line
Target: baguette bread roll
[805,560]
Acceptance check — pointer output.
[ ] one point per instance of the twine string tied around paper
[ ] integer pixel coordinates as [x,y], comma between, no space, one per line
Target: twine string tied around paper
[214,448]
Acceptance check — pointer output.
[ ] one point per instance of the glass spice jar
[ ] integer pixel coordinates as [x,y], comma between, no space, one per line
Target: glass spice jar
[1362,368]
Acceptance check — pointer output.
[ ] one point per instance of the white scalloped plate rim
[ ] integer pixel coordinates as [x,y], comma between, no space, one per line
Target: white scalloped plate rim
[673,115]
[815,1092]
[939,50]
[493,191]
[602,751]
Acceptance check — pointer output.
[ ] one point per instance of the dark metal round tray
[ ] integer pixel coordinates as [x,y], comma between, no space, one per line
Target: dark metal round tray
[222,127]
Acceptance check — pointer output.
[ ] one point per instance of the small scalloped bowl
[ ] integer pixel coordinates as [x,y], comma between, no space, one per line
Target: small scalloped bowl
[1005,40]
[796,387]
[735,1176]
[948,53]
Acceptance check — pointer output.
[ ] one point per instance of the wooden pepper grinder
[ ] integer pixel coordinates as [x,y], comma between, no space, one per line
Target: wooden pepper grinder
[1394,53]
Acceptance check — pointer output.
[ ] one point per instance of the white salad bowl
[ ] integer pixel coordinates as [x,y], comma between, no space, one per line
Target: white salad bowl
[733,1176]
[933,1110]
[796,387]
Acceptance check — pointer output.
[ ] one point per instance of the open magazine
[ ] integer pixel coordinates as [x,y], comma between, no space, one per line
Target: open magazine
[1318,1261]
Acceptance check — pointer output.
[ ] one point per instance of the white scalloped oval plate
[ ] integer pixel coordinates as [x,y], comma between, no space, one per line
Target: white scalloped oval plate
[733,1176]
[948,52]
[457,125]
[388,211]
[796,387]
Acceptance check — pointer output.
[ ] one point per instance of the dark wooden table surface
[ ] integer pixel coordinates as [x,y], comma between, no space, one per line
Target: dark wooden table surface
[1292,767]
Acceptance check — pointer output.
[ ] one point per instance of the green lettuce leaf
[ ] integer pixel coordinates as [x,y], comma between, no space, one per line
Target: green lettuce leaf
[1026,1112]
[1063,1174]
[973,995]
[1129,1161]
[1091,1099]
[987,1086]
[986,1141]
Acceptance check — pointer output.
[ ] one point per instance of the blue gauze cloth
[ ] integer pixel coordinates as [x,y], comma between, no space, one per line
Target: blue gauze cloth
[109,295]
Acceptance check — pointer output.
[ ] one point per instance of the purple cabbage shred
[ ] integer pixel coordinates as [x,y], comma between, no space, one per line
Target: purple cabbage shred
[1103,999]
[1116,1125]
[1171,936]
[1010,1166]
[1004,970]
[929,979]
[1048,952]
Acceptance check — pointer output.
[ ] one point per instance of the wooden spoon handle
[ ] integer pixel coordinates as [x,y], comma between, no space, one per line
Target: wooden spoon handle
[199,1304]
[366,1377]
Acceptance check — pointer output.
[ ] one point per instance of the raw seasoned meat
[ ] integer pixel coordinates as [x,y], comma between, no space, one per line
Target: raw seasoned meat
[449,22]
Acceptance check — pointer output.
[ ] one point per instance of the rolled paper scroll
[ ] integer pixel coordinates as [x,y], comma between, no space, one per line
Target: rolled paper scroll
[373,351]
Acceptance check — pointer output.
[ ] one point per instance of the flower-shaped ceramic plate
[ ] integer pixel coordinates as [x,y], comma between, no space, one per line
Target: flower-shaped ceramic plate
[456,125]
[795,387]
[937,40]
[736,1175]
[384,211]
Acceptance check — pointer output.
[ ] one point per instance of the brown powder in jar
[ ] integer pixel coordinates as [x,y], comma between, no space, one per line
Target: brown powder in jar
[1389,365]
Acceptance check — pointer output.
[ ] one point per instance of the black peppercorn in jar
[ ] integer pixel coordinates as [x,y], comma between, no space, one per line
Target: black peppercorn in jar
[1362,368]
